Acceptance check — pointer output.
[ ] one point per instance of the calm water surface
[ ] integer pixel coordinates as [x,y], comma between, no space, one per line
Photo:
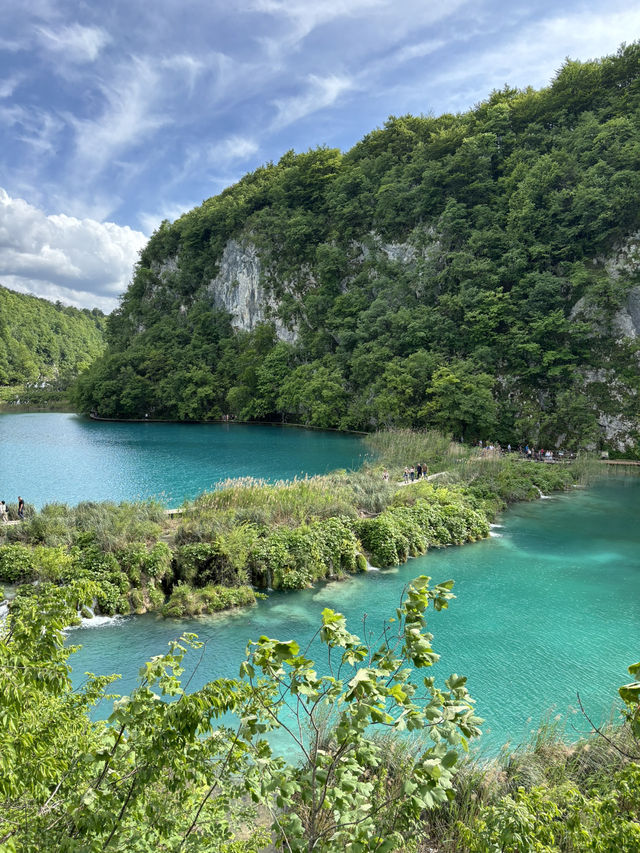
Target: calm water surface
[547,608]
[67,458]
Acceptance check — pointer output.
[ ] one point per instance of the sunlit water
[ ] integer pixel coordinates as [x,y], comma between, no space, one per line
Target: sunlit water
[546,609]
[67,458]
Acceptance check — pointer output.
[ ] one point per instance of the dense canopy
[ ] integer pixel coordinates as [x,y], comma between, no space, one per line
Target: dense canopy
[45,344]
[447,272]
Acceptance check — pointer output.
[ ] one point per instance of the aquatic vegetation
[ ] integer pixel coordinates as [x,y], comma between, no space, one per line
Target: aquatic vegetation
[285,535]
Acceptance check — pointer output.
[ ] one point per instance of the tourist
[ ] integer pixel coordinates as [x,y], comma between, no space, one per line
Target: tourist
[425,470]
[4,515]
[418,470]
[20,508]
[406,475]
[412,473]
[385,475]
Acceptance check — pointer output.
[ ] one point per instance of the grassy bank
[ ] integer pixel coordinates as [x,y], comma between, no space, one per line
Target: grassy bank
[250,535]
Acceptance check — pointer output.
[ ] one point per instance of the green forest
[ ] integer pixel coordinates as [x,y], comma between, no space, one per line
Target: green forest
[43,347]
[447,272]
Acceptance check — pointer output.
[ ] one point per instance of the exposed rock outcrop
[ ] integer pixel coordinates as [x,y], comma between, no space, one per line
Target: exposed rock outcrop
[238,288]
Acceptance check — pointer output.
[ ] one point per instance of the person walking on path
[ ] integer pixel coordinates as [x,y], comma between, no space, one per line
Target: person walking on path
[20,508]
[4,515]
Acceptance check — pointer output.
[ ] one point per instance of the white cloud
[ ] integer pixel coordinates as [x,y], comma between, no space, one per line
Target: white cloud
[538,51]
[229,150]
[79,261]
[416,51]
[306,16]
[74,43]
[128,117]
[9,85]
[322,92]
[184,64]
[171,212]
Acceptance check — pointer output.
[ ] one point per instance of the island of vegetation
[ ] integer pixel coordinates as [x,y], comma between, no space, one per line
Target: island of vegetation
[475,273]
[249,535]
[43,348]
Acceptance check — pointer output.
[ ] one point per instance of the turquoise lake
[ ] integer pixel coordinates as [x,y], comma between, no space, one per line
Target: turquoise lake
[66,458]
[547,608]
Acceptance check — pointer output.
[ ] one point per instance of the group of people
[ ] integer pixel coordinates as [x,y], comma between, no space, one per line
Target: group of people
[416,472]
[540,455]
[4,512]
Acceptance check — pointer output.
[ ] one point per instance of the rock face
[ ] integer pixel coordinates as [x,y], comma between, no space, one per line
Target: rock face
[238,289]
[627,320]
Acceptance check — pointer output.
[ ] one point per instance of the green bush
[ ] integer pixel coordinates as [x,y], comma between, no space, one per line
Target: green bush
[185,601]
[53,564]
[339,546]
[16,563]
[137,601]
[156,598]
[109,600]
[382,540]
[288,558]
[157,563]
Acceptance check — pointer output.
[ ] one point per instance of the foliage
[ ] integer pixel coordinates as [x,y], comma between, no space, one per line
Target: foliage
[16,563]
[44,344]
[178,775]
[185,601]
[446,272]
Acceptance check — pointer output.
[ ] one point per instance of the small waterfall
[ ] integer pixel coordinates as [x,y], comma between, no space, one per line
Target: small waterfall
[98,622]
[4,608]
[543,497]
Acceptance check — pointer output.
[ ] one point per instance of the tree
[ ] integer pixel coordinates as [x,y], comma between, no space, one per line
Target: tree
[175,775]
[461,401]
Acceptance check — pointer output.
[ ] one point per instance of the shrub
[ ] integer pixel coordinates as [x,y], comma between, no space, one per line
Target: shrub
[157,563]
[156,598]
[108,599]
[16,563]
[137,601]
[182,602]
[381,539]
[53,564]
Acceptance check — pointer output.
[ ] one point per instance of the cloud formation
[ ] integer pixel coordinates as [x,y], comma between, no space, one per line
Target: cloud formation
[78,261]
[129,112]
[74,43]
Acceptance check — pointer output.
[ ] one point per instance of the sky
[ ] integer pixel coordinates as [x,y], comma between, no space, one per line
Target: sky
[116,115]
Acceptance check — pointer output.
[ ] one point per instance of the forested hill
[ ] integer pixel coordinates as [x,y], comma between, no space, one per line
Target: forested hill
[474,272]
[45,343]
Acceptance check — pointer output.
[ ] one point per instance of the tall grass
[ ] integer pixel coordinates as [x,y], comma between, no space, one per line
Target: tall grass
[398,448]
[108,525]
[285,502]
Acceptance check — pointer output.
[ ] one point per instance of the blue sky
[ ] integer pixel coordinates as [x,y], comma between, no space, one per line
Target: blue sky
[116,115]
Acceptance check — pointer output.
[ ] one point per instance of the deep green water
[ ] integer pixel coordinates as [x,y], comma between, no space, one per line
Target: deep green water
[67,458]
[547,608]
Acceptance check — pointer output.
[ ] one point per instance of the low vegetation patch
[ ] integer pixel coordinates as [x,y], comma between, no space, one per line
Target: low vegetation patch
[288,535]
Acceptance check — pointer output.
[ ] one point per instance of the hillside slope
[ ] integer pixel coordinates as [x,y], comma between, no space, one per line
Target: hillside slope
[42,343]
[474,272]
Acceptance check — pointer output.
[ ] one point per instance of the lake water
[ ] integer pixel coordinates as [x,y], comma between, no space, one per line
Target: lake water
[68,458]
[547,608]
